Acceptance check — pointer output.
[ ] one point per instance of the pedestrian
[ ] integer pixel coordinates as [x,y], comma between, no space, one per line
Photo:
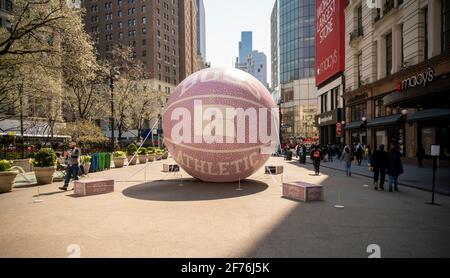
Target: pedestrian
[347,158]
[304,152]
[359,153]
[368,153]
[73,162]
[316,157]
[420,153]
[378,164]
[330,153]
[395,167]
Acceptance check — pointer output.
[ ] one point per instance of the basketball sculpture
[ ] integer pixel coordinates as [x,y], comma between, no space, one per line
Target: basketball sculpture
[220,125]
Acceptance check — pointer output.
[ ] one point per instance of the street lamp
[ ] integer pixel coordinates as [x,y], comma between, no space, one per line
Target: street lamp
[113,75]
[364,119]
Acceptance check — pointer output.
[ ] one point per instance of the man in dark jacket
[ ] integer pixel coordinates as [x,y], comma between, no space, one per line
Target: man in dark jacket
[316,157]
[379,164]
[73,162]
[395,168]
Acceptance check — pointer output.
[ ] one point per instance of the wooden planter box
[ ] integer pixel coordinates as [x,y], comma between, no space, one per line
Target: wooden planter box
[93,187]
[303,191]
[274,170]
[171,168]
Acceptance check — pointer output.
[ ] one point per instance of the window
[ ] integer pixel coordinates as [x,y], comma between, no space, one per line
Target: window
[379,108]
[402,41]
[143,9]
[144,30]
[119,13]
[144,53]
[359,111]
[120,35]
[144,20]
[119,24]
[8,5]
[445,26]
[144,42]
[359,69]
[425,32]
[388,54]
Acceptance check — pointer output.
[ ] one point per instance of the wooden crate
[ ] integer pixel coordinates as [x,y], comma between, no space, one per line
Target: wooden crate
[93,187]
[171,168]
[274,170]
[303,191]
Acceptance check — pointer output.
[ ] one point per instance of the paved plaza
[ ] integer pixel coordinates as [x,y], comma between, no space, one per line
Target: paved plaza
[161,218]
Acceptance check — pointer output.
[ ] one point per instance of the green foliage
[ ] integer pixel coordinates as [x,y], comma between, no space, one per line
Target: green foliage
[45,157]
[119,154]
[131,149]
[86,159]
[5,165]
[151,150]
[143,151]
[84,133]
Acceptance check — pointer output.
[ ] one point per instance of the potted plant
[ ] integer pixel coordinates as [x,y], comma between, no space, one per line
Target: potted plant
[44,165]
[165,154]
[131,150]
[143,154]
[159,154]
[86,162]
[7,176]
[151,154]
[119,158]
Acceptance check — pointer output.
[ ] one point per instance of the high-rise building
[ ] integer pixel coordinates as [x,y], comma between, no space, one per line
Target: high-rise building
[245,45]
[188,37]
[274,45]
[296,67]
[256,65]
[397,75]
[6,7]
[161,33]
[201,29]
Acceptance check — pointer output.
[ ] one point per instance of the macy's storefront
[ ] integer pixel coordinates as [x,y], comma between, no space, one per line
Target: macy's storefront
[410,108]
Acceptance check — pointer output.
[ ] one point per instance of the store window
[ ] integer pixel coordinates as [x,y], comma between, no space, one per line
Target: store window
[359,111]
[439,134]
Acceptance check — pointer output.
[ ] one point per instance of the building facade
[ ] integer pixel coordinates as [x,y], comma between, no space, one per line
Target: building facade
[274,46]
[201,29]
[397,68]
[257,66]
[330,65]
[296,70]
[161,33]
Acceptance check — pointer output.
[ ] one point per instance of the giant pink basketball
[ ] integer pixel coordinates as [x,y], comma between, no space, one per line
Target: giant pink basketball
[210,127]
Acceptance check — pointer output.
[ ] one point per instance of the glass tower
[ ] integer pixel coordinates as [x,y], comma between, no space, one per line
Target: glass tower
[245,46]
[296,39]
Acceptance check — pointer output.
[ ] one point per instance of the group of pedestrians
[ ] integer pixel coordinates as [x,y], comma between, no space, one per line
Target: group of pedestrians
[389,163]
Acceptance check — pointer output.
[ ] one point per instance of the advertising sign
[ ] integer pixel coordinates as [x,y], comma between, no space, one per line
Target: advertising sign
[330,40]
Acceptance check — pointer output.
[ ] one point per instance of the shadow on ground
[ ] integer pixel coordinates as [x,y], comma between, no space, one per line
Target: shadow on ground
[192,190]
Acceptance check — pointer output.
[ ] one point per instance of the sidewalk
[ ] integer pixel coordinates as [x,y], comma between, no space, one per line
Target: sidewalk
[413,176]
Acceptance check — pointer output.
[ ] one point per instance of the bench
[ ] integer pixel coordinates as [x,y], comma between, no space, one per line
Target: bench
[93,187]
[302,191]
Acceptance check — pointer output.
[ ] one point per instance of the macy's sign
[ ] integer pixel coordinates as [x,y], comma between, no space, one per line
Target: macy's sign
[420,79]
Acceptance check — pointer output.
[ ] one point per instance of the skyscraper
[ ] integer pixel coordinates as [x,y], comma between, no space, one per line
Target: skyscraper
[245,45]
[295,41]
[162,35]
[274,45]
[201,29]
[257,66]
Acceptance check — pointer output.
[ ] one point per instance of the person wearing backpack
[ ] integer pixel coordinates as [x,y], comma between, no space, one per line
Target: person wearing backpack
[316,157]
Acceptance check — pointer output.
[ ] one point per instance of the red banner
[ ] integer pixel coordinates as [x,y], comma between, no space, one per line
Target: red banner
[330,39]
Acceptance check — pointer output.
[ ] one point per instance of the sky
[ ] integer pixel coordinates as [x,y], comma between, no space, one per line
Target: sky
[225,19]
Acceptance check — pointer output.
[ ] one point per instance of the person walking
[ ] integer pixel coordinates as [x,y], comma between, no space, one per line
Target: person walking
[395,167]
[368,153]
[378,164]
[73,162]
[359,153]
[330,153]
[316,157]
[347,158]
[420,153]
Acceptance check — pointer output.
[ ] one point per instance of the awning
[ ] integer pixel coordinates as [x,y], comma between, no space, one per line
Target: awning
[386,120]
[354,125]
[429,114]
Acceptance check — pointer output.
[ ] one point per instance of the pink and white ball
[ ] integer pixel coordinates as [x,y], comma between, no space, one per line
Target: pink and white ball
[220,125]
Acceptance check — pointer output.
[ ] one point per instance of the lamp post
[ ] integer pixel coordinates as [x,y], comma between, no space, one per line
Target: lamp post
[114,74]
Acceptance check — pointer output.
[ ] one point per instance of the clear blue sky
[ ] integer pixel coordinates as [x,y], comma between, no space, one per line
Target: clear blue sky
[225,19]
